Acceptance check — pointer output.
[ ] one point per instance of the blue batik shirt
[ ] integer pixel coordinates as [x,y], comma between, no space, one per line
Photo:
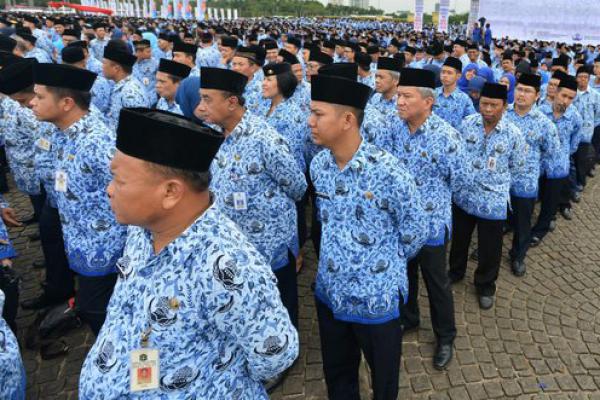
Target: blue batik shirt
[255,163]
[97,48]
[101,91]
[195,72]
[542,146]
[208,57]
[372,223]
[21,130]
[291,123]
[40,55]
[588,105]
[164,105]
[434,155]
[6,251]
[453,108]
[94,65]
[493,160]
[368,80]
[145,72]
[128,92]
[12,371]
[94,240]
[377,129]
[568,126]
[50,141]
[214,313]
[381,104]
[301,96]
[253,94]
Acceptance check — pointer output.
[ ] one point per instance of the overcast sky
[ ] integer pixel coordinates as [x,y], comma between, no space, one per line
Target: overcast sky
[400,5]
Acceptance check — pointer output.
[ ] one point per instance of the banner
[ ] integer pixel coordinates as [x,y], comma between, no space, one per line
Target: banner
[558,20]
[145,9]
[222,13]
[201,10]
[137,11]
[153,13]
[229,14]
[443,16]
[235,13]
[419,7]
[473,15]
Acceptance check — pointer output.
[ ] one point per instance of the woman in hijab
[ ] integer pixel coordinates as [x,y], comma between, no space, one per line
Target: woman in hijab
[474,90]
[468,73]
[510,82]
[487,74]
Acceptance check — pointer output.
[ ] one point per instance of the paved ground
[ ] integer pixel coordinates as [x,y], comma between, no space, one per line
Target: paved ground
[541,341]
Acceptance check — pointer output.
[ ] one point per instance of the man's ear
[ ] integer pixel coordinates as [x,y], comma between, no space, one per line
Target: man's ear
[174,190]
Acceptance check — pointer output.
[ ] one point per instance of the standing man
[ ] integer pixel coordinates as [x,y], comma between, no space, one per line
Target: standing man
[165,46]
[452,104]
[83,150]
[208,55]
[386,83]
[227,50]
[127,91]
[255,179]
[568,122]
[169,76]
[495,156]
[543,146]
[145,68]
[248,61]
[195,312]
[372,223]
[432,151]
[186,54]
[98,44]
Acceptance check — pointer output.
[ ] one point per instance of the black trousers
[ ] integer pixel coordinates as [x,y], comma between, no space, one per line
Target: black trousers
[287,283]
[489,249]
[522,210]
[93,297]
[37,203]
[432,260]
[596,142]
[60,283]
[341,345]
[552,191]
[583,162]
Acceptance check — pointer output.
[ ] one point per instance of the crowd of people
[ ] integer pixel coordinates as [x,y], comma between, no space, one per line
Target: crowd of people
[226,146]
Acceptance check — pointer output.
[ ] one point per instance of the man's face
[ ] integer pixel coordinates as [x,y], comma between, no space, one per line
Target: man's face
[491,109]
[100,33]
[408,57]
[349,54]
[269,87]
[583,80]
[552,87]
[325,122]
[473,55]
[384,81]
[458,50]
[525,96]
[214,107]
[291,48]
[312,68]
[597,69]
[163,44]
[183,58]
[188,40]
[67,39]
[108,68]
[135,192]
[226,52]
[272,55]
[563,99]
[411,103]
[165,87]
[339,50]
[244,66]
[143,53]
[59,29]
[507,65]
[449,76]
[44,105]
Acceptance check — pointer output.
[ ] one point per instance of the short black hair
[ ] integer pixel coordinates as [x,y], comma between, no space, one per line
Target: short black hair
[358,113]
[81,99]
[287,83]
[240,98]
[199,181]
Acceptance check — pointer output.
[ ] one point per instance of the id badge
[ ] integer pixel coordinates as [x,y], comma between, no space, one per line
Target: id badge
[60,181]
[491,164]
[144,369]
[239,201]
[146,81]
[44,144]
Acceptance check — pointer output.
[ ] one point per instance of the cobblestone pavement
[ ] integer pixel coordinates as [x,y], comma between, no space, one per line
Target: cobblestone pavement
[540,341]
